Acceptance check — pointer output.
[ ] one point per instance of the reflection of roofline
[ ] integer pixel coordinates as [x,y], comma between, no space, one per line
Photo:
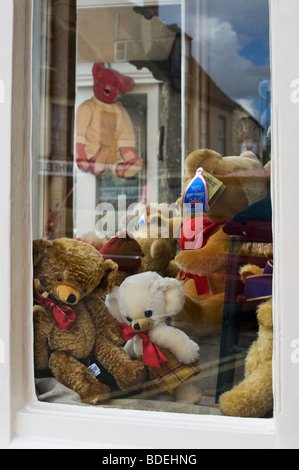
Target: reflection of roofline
[218,97]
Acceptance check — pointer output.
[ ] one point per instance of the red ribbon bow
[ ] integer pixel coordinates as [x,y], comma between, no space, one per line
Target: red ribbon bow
[152,355]
[64,316]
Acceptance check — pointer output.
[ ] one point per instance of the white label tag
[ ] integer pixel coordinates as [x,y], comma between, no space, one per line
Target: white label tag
[93,368]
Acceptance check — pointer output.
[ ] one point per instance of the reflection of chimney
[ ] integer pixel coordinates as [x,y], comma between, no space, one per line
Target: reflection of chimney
[147,12]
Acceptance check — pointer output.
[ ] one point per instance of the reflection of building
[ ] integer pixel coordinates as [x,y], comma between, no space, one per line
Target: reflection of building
[137,43]
[214,120]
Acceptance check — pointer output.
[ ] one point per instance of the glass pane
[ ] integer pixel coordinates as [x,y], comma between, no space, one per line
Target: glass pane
[151,205]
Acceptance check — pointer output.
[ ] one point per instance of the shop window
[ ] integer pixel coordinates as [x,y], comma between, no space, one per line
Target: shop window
[132,102]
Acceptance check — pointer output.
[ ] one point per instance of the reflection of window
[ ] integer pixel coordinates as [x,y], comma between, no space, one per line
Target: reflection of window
[120,51]
[221,135]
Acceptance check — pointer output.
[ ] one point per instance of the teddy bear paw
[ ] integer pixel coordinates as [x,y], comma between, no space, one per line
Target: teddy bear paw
[135,375]
[187,262]
[189,354]
[96,394]
[187,392]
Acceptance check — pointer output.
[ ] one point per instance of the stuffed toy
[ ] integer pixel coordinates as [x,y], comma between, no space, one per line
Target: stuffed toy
[105,138]
[126,252]
[158,249]
[134,256]
[142,304]
[74,333]
[203,268]
[158,256]
[253,397]
[138,252]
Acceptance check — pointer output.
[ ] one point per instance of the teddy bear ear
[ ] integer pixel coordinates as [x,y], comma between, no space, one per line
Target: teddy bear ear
[128,84]
[40,248]
[202,157]
[108,280]
[112,304]
[97,67]
[158,248]
[174,295]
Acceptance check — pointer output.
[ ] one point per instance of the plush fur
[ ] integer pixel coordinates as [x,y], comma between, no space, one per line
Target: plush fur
[75,274]
[246,182]
[154,253]
[253,397]
[145,301]
[158,256]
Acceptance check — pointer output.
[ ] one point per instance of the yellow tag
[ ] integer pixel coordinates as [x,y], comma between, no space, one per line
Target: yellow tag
[215,187]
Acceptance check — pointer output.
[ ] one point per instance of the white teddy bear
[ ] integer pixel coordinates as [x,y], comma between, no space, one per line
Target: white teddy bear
[142,304]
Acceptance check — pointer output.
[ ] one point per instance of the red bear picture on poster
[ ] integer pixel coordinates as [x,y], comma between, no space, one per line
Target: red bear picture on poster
[105,138]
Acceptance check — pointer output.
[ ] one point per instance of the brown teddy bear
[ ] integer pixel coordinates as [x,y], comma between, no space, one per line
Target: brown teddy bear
[72,326]
[253,397]
[159,248]
[244,182]
[139,252]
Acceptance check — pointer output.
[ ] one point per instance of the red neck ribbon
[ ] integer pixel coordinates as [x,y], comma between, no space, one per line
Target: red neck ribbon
[152,355]
[64,316]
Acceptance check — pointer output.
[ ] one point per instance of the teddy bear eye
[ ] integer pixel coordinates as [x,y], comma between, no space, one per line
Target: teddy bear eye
[148,313]
[59,279]
[129,319]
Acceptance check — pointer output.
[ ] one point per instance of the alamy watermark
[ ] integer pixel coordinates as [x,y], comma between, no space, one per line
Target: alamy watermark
[295,351]
[153,220]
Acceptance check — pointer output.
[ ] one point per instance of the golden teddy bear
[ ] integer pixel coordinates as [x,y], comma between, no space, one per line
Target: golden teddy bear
[253,397]
[244,182]
[72,324]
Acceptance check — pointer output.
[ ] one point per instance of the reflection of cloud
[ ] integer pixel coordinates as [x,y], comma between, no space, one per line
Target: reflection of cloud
[235,74]
[249,105]
[220,45]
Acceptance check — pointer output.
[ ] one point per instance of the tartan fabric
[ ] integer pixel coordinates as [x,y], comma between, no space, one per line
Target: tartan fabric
[171,374]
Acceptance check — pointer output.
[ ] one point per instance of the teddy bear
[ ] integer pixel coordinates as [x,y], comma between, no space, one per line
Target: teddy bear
[158,238]
[203,269]
[253,397]
[105,137]
[74,332]
[142,304]
[137,251]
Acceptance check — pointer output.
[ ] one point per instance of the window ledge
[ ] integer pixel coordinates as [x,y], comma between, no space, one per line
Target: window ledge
[65,426]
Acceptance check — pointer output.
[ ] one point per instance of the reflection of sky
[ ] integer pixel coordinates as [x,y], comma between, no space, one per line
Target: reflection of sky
[235,41]
[230,39]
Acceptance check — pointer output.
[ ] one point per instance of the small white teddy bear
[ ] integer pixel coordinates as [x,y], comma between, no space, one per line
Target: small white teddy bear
[142,304]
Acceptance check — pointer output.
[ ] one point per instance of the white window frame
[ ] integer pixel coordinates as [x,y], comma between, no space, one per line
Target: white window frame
[27,423]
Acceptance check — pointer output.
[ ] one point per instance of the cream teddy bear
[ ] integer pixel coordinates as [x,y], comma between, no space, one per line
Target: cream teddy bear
[142,304]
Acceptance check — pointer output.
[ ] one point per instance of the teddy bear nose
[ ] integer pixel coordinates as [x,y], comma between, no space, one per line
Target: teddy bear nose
[136,327]
[71,299]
